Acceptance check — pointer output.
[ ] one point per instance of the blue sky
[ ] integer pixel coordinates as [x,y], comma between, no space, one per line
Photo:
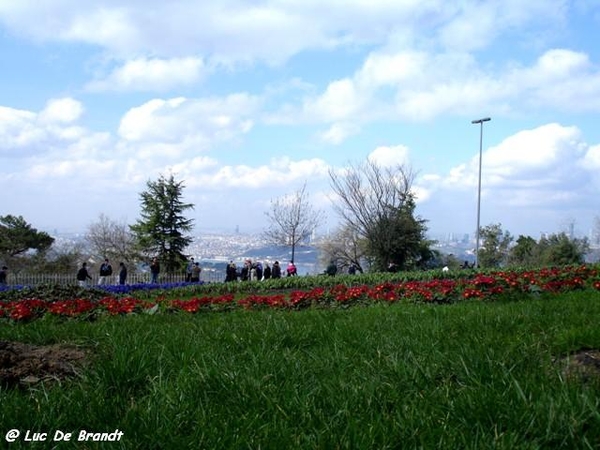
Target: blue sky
[247,100]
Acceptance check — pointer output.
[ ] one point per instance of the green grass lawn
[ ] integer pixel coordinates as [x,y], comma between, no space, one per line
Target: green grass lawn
[463,376]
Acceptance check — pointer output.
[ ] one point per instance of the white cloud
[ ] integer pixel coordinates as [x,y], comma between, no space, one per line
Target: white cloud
[391,69]
[151,74]
[536,150]
[338,133]
[271,31]
[390,156]
[339,101]
[421,193]
[17,129]
[279,173]
[591,161]
[229,31]
[23,133]
[193,122]
[64,110]
[400,61]
[417,86]
[541,166]
[63,169]
[142,122]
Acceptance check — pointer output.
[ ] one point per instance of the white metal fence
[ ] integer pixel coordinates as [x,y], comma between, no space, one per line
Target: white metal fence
[32,279]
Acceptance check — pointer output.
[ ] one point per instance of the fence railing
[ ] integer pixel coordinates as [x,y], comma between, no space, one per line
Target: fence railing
[33,279]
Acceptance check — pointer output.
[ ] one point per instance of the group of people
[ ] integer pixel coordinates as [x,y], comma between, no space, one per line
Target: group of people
[192,271]
[249,271]
[257,271]
[106,272]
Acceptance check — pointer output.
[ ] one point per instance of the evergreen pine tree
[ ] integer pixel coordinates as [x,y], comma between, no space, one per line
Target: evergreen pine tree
[161,230]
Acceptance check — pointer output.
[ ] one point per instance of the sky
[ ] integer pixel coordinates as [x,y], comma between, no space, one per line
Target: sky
[246,101]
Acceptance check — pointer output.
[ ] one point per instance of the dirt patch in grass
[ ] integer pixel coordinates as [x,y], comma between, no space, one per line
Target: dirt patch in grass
[583,364]
[24,365]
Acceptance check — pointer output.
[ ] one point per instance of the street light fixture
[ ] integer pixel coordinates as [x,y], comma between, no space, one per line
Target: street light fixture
[480,122]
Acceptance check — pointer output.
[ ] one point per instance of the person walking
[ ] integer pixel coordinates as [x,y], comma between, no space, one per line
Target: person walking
[122,273]
[276,271]
[83,275]
[3,274]
[267,272]
[105,272]
[291,269]
[189,269]
[154,270]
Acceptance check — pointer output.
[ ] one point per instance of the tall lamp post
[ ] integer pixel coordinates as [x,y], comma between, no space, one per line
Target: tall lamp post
[480,122]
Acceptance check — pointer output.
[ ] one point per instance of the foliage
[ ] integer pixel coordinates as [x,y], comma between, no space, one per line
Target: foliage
[322,291]
[378,204]
[495,246]
[560,249]
[292,220]
[524,253]
[556,249]
[17,237]
[398,237]
[162,228]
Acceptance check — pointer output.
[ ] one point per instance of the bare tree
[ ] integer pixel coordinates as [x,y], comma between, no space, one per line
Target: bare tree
[111,239]
[64,257]
[292,219]
[344,247]
[378,204]
[369,192]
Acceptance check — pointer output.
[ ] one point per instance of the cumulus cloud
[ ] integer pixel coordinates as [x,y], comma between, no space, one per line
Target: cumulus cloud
[339,101]
[23,133]
[150,74]
[478,23]
[419,86]
[279,172]
[233,30]
[270,31]
[541,166]
[338,133]
[386,156]
[17,129]
[591,161]
[63,110]
[412,61]
[196,123]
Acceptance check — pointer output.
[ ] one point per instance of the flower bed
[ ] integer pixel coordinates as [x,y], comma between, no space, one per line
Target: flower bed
[479,286]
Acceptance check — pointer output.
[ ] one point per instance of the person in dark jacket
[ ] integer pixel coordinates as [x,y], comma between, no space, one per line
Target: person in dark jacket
[266,272]
[83,275]
[231,272]
[3,274]
[122,273]
[154,270]
[276,271]
[105,272]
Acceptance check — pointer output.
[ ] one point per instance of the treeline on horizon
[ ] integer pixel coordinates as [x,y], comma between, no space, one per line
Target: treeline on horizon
[379,231]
